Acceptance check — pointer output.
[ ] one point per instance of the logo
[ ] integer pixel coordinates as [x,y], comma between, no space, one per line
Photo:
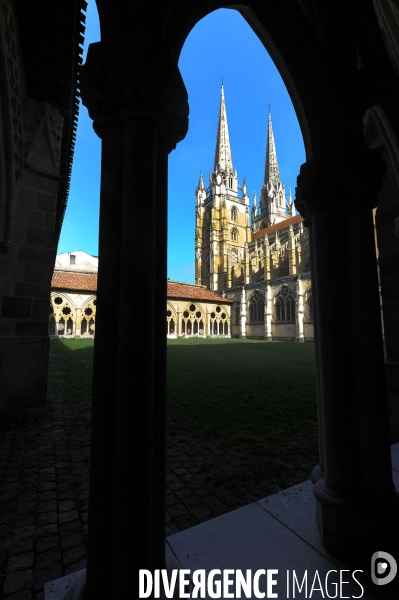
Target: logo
[383,568]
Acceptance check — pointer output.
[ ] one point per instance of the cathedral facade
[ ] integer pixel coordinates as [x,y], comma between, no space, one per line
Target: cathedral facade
[257,257]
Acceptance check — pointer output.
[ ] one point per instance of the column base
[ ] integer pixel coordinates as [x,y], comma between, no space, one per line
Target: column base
[301,340]
[356,527]
[317,474]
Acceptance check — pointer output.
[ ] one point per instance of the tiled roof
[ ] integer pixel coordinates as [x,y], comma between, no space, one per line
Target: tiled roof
[277,226]
[195,292]
[74,281]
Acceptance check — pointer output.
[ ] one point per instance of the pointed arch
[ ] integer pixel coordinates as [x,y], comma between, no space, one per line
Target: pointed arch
[284,302]
[256,305]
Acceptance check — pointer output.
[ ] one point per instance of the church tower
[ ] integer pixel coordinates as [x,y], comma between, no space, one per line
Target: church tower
[273,206]
[222,230]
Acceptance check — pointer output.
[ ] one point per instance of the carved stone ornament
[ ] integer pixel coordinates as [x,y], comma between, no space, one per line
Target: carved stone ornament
[346,181]
[125,78]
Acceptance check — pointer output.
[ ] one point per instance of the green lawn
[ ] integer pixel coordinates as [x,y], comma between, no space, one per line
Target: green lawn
[247,406]
[254,399]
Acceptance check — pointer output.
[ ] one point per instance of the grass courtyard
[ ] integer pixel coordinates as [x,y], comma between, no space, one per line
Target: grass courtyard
[241,413]
[252,402]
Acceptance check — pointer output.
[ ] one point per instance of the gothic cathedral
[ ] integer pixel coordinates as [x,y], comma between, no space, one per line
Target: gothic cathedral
[258,257]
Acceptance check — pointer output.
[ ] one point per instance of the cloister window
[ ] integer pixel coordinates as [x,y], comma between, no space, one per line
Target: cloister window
[234,214]
[285,305]
[170,323]
[234,235]
[193,320]
[219,322]
[256,307]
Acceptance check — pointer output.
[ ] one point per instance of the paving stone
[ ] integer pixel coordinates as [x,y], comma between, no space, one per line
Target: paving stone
[24,520]
[73,555]
[20,547]
[25,507]
[200,511]
[71,527]
[48,506]
[211,501]
[70,541]
[46,530]
[24,595]
[67,505]
[48,574]
[20,562]
[75,567]
[47,559]
[47,495]
[23,532]
[221,509]
[15,582]
[46,543]
[65,517]
[46,518]
[47,485]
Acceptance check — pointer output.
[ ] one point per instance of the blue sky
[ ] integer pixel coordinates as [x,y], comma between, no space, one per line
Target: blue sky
[220,44]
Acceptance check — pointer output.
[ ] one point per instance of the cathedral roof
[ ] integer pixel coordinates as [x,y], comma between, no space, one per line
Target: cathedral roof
[277,227]
[223,158]
[189,291]
[71,280]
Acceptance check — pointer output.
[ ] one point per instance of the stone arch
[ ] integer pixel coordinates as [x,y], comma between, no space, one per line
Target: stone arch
[219,321]
[284,304]
[88,317]
[171,320]
[64,313]
[256,304]
[193,320]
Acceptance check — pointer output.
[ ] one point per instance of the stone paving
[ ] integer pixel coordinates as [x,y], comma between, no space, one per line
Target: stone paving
[44,489]
[43,498]
[194,482]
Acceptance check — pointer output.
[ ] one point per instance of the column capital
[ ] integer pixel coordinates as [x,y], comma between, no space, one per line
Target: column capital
[135,77]
[339,181]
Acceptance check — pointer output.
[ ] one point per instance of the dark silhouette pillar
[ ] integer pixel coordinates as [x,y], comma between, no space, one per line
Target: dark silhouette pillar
[138,102]
[355,498]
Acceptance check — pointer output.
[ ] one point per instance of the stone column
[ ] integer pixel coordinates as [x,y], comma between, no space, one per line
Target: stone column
[291,252]
[267,258]
[268,312]
[355,499]
[246,258]
[243,314]
[137,99]
[299,336]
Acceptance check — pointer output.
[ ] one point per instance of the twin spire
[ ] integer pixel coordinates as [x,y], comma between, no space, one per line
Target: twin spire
[271,167]
[223,158]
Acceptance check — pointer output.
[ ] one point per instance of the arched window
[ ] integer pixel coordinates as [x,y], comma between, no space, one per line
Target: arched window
[285,305]
[256,307]
[234,214]
[234,235]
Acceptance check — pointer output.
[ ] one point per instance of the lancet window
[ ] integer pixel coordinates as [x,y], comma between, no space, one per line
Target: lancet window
[285,305]
[234,235]
[234,214]
[256,307]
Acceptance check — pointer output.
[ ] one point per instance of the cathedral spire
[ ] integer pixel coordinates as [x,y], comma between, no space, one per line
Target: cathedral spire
[271,166]
[223,158]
